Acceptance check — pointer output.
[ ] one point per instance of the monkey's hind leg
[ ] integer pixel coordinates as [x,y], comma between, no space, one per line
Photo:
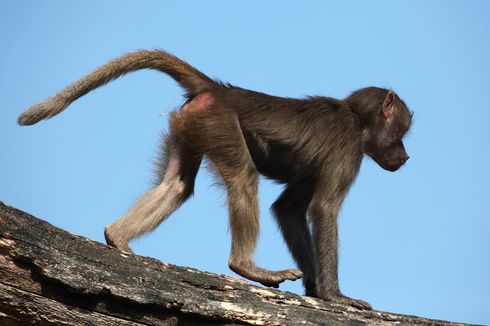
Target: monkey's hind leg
[244,224]
[231,158]
[177,184]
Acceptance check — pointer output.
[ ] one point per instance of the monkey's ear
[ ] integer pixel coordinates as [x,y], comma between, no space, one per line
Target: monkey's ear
[387,106]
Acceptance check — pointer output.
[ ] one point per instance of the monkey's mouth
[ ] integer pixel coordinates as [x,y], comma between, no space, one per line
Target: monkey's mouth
[391,165]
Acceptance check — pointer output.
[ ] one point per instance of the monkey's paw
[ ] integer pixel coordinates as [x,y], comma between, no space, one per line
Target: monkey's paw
[276,278]
[264,276]
[356,303]
[113,241]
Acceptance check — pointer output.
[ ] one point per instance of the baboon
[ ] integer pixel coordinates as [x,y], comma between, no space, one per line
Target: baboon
[314,146]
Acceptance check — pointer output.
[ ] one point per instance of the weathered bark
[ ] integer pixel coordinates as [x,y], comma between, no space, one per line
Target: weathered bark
[51,277]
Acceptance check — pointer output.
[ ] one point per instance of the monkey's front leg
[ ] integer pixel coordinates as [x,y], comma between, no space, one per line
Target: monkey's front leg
[325,237]
[290,212]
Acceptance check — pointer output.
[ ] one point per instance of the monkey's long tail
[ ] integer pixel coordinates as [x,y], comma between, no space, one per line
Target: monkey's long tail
[191,79]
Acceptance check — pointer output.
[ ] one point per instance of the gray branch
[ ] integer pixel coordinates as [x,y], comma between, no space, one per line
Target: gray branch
[49,276]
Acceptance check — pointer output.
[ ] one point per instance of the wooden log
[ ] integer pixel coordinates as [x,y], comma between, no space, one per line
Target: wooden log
[49,276]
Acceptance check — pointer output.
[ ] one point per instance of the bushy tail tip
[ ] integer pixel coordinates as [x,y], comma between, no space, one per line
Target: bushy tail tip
[30,117]
[24,120]
[42,110]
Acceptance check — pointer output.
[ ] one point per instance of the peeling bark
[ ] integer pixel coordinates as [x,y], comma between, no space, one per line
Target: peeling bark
[49,276]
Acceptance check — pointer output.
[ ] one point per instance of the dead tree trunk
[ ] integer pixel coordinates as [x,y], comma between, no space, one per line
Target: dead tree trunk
[51,277]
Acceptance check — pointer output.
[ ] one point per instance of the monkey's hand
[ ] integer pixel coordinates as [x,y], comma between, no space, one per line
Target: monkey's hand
[344,300]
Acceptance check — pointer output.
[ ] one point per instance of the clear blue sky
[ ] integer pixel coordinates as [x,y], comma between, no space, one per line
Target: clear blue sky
[415,242]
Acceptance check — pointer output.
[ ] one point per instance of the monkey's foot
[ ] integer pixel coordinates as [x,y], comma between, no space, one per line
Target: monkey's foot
[356,303]
[113,241]
[265,277]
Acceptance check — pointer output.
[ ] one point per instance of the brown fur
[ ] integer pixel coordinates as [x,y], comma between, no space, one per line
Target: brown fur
[313,145]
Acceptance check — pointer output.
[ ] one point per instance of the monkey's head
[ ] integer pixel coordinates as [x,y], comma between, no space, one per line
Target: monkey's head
[385,119]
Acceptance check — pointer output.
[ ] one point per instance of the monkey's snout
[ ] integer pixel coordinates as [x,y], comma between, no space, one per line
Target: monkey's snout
[395,164]
[405,158]
[401,161]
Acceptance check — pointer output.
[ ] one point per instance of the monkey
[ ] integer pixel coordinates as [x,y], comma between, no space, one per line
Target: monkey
[313,146]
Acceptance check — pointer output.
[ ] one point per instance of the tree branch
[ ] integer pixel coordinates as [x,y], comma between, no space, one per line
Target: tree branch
[49,276]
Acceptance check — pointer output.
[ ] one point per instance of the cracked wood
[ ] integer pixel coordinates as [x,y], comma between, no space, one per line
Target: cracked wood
[49,276]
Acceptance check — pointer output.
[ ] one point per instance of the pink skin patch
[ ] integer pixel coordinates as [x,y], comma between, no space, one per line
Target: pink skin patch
[202,101]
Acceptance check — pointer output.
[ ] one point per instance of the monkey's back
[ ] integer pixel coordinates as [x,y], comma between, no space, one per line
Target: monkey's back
[290,138]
